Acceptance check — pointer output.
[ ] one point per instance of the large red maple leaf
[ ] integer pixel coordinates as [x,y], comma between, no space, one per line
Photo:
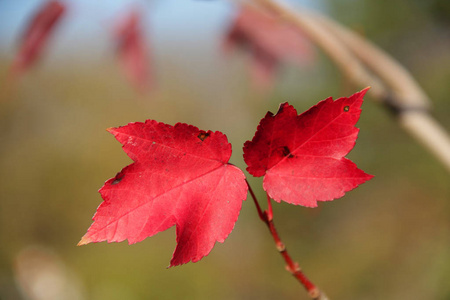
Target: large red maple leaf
[180,176]
[302,156]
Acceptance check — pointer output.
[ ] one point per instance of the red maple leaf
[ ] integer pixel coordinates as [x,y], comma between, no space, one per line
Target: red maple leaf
[302,156]
[180,176]
[37,35]
[269,41]
[132,52]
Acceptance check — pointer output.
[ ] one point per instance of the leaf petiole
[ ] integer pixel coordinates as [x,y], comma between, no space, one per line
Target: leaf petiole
[258,207]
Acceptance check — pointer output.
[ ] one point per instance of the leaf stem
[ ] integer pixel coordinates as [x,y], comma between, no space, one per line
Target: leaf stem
[269,211]
[258,207]
[291,266]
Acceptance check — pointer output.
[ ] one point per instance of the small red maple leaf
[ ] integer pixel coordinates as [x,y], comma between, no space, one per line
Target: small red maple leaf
[302,156]
[132,52]
[269,40]
[36,36]
[180,176]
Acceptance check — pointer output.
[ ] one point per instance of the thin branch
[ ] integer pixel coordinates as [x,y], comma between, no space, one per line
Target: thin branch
[364,64]
[291,266]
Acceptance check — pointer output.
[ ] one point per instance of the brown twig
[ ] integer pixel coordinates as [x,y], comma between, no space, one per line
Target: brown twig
[291,266]
[364,64]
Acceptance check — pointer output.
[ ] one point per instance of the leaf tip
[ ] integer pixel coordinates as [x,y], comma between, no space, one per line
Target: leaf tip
[84,241]
[364,91]
[174,263]
[369,176]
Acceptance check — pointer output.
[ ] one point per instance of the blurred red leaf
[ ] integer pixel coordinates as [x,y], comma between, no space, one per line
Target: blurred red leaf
[302,156]
[269,41]
[132,52]
[36,36]
[180,176]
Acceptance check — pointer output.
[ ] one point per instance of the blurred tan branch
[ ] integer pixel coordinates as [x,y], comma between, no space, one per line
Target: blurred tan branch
[364,64]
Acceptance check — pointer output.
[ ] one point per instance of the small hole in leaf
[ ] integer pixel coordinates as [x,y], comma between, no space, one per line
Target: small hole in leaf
[346,108]
[203,135]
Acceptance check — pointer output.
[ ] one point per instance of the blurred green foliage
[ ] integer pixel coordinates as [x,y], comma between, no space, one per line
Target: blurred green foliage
[388,239]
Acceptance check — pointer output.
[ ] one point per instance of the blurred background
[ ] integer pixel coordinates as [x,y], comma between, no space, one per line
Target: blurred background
[388,239]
